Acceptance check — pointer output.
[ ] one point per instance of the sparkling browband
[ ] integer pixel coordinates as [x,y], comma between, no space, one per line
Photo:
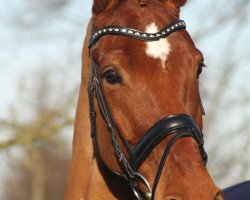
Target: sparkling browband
[118,30]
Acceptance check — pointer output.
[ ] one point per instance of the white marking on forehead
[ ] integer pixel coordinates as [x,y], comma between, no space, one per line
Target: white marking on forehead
[157,49]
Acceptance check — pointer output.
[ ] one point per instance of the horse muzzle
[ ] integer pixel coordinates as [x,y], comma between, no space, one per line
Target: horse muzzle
[175,126]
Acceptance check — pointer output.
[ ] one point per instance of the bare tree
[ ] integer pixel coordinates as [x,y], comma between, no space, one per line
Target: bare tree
[40,172]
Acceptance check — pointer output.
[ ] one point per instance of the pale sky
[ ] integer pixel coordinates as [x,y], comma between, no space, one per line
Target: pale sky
[24,51]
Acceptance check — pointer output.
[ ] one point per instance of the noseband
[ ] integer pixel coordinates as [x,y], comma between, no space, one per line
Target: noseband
[176,126]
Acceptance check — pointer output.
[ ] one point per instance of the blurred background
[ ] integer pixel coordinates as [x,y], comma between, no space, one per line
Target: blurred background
[40,65]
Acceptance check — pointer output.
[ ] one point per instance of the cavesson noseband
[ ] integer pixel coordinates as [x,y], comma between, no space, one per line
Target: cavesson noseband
[178,126]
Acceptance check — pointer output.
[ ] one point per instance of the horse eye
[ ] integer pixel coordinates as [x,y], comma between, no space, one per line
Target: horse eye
[112,77]
[199,70]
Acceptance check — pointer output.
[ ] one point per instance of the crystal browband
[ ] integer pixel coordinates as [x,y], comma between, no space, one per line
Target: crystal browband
[122,31]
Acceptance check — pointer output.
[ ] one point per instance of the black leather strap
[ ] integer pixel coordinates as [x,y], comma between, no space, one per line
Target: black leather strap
[139,35]
[159,132]
[176,137]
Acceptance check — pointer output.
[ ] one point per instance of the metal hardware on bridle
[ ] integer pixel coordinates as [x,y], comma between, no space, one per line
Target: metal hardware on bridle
[122,31]
[176,126]
[95,86]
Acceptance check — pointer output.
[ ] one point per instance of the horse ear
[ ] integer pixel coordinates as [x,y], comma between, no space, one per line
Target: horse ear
[103,5]
[177,3]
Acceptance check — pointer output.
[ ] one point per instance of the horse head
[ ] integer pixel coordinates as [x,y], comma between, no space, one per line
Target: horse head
[146,120]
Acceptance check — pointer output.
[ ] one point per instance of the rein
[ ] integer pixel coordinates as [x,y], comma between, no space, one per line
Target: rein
[176,126]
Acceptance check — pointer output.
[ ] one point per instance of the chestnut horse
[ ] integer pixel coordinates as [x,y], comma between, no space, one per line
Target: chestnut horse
[140,90]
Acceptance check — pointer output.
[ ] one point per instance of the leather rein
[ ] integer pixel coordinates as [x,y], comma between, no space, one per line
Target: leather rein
[176,126]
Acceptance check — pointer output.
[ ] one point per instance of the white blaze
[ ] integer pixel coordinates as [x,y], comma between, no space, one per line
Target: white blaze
[157,49]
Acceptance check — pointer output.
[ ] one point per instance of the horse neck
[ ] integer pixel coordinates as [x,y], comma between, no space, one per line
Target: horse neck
[82,156]
[84,168]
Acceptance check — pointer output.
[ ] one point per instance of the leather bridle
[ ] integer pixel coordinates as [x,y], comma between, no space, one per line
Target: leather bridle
[176,126]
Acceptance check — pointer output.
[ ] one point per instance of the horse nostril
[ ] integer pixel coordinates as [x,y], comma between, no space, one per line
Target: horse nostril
[219,196]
